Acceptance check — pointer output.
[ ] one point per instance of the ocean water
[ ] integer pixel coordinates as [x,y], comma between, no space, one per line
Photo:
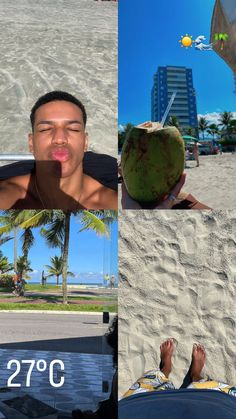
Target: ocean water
[68,45]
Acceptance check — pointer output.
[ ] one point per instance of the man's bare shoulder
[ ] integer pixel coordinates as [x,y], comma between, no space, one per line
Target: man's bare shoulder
[12,190]
[99,196]
[108,198]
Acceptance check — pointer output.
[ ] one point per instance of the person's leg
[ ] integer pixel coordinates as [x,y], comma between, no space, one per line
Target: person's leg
[198,362]
[196,366]
[196,378]
[197,158]
[155,380]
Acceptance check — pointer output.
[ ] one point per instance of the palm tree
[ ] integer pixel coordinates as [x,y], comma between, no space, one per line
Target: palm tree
[57,230]
[22,267]
[213,130]
[190,131]
[8,224]
[5,266]
[28,240]
[7,221]
[173,121]
[99,221]
[55,269]
[122,133]
[226,119]
[233,124]
[202,125]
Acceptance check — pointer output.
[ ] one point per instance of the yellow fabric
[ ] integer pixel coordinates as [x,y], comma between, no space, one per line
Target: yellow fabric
[153,380]
[212,385]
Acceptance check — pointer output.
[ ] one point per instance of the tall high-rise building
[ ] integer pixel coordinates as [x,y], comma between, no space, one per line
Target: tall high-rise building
[168,80]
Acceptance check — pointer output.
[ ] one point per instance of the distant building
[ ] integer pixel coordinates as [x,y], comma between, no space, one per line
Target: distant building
[168,80]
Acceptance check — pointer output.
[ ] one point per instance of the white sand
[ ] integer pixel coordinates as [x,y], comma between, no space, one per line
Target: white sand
[67,45]
[213,182]
[177,279]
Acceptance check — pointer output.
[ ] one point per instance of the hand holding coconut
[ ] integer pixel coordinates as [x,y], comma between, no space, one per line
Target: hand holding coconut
[152,164]
[129,203]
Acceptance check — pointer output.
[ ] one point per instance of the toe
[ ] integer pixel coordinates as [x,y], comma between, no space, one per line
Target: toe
[194,347]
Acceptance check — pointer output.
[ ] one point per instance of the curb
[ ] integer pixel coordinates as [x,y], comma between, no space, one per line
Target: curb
[100,313]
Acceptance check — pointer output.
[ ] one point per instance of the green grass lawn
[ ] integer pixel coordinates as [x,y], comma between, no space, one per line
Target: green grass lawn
[55,302]
[59,298]
[34,287]
[58,307]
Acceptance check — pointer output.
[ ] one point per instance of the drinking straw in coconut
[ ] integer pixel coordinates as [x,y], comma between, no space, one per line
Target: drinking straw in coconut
[168,109]
[154,126]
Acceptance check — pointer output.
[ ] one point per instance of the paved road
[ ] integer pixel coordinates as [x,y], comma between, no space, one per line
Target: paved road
[79,333]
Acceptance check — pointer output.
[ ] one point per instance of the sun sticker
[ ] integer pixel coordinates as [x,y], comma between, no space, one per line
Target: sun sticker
[186,41]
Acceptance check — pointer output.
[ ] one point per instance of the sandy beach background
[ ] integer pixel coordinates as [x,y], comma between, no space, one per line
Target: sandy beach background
[67,45]
[177,279]
[213,182]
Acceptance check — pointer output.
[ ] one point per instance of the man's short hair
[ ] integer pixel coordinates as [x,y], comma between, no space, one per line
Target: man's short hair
[54,96]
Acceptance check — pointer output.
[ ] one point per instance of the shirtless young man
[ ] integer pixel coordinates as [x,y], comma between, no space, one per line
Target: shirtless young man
[58,142]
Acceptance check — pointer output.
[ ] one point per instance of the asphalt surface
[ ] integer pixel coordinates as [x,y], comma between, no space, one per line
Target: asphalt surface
[80,333]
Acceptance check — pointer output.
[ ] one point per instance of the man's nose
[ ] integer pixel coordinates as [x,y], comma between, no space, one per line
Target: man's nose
[59,136]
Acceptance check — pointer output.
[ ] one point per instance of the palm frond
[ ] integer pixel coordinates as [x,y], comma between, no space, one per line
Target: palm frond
[50,275]
[92,222]
[71,274]
[33,218]
[54,233]
[28,240]
[4,229]
[5,239]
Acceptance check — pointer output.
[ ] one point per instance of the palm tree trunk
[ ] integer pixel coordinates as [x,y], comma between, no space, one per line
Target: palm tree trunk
[65,255]
[15,248]
[57,279]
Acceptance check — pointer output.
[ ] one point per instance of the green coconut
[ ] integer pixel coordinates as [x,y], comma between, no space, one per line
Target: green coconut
[152,161]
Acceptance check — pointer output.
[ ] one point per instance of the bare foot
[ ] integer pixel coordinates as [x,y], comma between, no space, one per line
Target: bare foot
[198,362]
[166,349]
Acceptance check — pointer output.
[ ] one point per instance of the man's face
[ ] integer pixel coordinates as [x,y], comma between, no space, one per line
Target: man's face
[59,137]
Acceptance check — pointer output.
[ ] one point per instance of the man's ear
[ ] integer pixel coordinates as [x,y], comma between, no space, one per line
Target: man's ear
[86,142]
[30,143]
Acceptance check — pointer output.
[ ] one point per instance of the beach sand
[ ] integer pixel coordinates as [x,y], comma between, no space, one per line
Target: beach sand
[177,279]
[67,45]
[213,182]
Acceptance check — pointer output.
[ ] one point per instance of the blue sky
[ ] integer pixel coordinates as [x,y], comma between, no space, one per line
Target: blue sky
[149,34]
[88,253]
